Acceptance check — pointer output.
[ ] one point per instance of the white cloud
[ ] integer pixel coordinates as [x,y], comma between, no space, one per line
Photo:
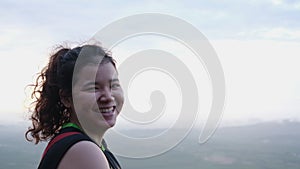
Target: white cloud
[261,74]
[293,5]
[271,34]
[262,79]
[281,33]
[276,2]
[23,53]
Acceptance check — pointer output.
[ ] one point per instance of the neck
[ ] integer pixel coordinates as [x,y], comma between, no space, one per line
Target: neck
[96,135]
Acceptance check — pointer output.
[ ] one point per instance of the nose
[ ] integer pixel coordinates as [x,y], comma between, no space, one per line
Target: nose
[106,96]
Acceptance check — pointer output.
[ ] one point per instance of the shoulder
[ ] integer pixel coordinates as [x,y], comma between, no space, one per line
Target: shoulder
[82,155]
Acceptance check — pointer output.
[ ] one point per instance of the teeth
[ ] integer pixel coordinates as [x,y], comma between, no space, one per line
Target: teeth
[106,110]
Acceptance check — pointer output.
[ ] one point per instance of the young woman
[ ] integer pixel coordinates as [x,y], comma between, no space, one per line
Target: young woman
[78,97]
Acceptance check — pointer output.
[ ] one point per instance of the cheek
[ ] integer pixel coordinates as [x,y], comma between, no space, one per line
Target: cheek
[119,96]
[84,100]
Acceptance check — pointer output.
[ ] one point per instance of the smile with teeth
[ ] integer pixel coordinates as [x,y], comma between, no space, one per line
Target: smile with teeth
[106,110]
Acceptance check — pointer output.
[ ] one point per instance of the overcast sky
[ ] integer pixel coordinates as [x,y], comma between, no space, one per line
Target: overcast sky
[257,42]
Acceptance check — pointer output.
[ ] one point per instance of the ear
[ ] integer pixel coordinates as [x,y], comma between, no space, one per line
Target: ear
[67,101]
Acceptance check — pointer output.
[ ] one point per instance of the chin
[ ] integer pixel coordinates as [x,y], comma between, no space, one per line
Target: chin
[111,124]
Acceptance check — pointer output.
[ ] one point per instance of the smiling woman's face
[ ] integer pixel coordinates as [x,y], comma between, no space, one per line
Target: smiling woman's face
[97,100]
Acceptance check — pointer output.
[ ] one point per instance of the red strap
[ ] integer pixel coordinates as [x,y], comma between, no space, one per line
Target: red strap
[56,139]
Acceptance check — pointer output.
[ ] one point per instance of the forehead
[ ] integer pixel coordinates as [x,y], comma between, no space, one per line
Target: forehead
[98,73]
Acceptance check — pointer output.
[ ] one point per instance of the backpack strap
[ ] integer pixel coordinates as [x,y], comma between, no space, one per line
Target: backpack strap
[57,148]
[56,139]
[62,142]
[113,162]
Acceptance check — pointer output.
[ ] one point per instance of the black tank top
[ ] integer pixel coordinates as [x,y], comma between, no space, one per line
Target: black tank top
[63,141]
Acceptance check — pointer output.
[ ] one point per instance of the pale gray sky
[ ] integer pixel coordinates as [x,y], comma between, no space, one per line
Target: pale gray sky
[257,42]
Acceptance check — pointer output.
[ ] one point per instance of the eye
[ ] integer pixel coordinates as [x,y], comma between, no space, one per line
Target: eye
[115,85]
[91,88]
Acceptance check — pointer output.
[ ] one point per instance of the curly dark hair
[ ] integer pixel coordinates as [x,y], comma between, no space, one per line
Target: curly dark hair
[55,79]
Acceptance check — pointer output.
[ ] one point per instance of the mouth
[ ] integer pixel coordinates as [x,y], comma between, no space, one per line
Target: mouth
[107,111]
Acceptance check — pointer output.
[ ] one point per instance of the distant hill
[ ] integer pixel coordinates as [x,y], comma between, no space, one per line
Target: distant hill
[259,146]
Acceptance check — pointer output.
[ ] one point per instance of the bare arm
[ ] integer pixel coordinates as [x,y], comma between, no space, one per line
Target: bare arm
[83,155]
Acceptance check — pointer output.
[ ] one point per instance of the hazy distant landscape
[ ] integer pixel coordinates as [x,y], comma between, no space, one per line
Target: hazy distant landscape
[260,146]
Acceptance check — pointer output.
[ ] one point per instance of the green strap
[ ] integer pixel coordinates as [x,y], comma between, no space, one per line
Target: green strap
[102,147]
[71,125]
[76,126]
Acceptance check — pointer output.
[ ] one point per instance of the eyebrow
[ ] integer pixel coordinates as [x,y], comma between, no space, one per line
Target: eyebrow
[114,80]
[94,83]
